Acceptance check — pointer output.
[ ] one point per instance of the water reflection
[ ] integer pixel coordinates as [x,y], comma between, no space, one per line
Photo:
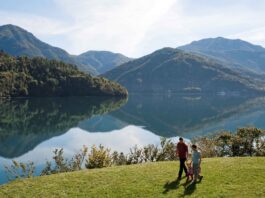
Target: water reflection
[102,123]
[189,116]
[73,140]
[25,123]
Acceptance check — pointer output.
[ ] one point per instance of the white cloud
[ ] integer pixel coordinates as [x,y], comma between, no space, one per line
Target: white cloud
[120,26]
[256,36]
[186,22]
[36,24]
[138,27]
[72,141]
[49,30]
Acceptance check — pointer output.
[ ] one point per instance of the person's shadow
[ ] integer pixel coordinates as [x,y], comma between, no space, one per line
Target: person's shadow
[189,186]
[174,185]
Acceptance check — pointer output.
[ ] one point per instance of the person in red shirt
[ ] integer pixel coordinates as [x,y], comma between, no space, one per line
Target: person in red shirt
[182,153]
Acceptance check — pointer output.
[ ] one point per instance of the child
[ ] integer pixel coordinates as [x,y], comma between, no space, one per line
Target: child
[189,171]
[196,162]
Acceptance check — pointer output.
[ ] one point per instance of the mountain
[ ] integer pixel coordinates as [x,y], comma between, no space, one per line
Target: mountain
[102,61]
[171,70]
[22,76]
[238,53]
[19,42]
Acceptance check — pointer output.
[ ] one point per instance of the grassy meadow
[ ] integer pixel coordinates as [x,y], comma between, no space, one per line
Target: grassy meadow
[223,177]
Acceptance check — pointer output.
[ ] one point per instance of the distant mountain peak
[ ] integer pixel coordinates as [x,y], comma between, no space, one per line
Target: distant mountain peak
[11,26]
[166,49]
[102,61]
[17,41]
[237,53]
[101,52]
[14,29]
[221,43]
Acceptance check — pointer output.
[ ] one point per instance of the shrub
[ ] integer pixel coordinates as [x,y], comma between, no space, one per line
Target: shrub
[98,157]
[20,170]
[135,156]
[249,136]
[247,141]
[168,150]
[206,145]
[118,159]
[78,159]
[150,153]
[60,164]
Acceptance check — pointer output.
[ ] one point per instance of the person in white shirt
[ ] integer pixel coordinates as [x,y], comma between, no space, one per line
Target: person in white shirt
[196,162]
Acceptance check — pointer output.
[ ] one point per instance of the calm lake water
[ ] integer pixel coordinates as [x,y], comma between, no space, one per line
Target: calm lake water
[30,129]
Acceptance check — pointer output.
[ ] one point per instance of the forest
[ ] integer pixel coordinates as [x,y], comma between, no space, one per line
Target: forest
[25,77]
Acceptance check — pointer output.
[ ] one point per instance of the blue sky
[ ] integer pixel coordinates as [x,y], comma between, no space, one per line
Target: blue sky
[135,27]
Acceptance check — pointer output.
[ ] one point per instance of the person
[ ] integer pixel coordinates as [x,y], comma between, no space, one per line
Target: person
[190,171]
[182,153]
[196,163]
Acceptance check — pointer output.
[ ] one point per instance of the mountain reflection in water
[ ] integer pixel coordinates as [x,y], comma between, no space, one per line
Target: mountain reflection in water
[25,123]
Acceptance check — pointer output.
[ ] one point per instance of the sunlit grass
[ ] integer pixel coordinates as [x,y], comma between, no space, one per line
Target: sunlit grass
[223,177]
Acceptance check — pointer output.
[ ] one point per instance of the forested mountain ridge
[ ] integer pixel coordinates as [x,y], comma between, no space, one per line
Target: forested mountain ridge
[17,41]
[172,70]
[22,76]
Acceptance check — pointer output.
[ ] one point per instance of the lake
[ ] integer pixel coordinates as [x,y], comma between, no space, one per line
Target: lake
[30,129]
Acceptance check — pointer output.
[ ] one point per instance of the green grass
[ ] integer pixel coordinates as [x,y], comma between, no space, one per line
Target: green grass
[223,177]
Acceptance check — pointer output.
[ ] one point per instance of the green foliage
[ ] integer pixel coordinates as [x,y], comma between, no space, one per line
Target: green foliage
[245,142]
[118,159]
[135,156]
[151,153]
[60,164]
[168,150]
[19,170]
[164,152]
[98,157]
[206,145]
[78,159]
[22,76]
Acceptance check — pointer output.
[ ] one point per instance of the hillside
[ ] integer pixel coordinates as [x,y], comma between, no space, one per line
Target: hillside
[223,177]
[22,76]
[19,42]
[238,53]
[102,61]
[171,70]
